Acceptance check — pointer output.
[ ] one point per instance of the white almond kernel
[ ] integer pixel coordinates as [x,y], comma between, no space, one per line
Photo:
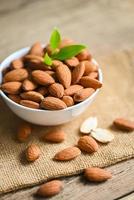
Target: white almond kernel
[88,125]
[102,135]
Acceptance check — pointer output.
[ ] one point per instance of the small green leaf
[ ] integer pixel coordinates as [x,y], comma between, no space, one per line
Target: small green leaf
[68,52]
[55,39]
[47,60]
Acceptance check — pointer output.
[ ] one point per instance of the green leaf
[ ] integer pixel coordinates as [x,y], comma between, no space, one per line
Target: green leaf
[68,52]
[55,39]
[47,60]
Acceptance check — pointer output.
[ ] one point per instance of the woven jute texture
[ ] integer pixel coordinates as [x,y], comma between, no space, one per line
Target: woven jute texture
[115,99]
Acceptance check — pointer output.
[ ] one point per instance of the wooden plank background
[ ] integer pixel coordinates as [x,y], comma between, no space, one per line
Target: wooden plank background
[105,26]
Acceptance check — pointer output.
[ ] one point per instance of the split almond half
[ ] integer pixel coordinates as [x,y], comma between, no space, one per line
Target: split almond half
[102,135]
[88,125]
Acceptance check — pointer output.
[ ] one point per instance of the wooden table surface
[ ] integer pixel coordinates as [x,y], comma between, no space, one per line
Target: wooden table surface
[105,26]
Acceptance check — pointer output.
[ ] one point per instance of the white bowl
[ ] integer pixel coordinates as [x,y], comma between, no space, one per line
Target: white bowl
[44,117]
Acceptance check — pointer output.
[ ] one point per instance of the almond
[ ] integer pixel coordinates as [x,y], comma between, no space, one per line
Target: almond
[34,58]
[50,188]
[102,135]
[11,87]
[29,85]
[16,75]
[77,73]
[68,101]
[32,153]
[86,81]
[67,154]
[89,67]
[88,144]
[72,90]
[93,75]
[24,132]
[17,64]
[124,124]
[32,95]
[56,63]
[56,136]
[42,77]
[52,103]
[66,42]
[56,90]
[84,55]
[36,49]
[51,73]
[29,104]
[64,75]
[88,125]
[83,94]
[95,174]
[43,90]
[14,97]
[72,62]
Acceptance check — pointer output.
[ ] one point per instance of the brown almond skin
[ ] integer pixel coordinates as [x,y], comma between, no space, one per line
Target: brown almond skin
[88,82]
[56,63]
[43,90]
[68,101]
[66,42]
[63,74]
[32,153]
[14,97]
[56,136]
[29,85]
[29,104]
[17,64]
[53,103]
[16,75]
[56,90]
[36,49]
[93,75]
[50,188]
[95,174]
[77,73]
[24,131]
[11,87]
[32,95]
[83,94]
[69,153]
[89,67]
[72,90]
[42,77]
[124,124]
[88,144]
[72,62]
[84,55]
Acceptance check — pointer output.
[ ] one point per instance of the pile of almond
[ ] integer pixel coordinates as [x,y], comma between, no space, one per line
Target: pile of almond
[32,83]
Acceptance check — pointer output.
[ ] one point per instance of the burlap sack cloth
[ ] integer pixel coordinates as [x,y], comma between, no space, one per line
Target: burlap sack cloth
[115,99]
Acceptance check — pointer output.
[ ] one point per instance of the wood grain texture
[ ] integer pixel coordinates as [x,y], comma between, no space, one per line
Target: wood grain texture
[105,26]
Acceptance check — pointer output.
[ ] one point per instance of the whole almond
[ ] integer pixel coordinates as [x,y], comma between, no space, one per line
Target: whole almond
[56,90]
[64,75]
[29,104]
[24,131]
[34,58]
[32,95]
[67,154]
[66,42]
[68,101]
[11,87]
[93,75]
[124,124]
[77,73]
[32,153]
[16,75]
[29,85]
[84,55]
[50,188]
[51,73]
[88,144]
[72,62]
[55,136]
[14,97]
[17,64]
[83,94]
[56,63]
[53,103]
[95,174]
[36,49]
[43,90]
[89,67]
[42,77]
[86,81]
[72,90]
